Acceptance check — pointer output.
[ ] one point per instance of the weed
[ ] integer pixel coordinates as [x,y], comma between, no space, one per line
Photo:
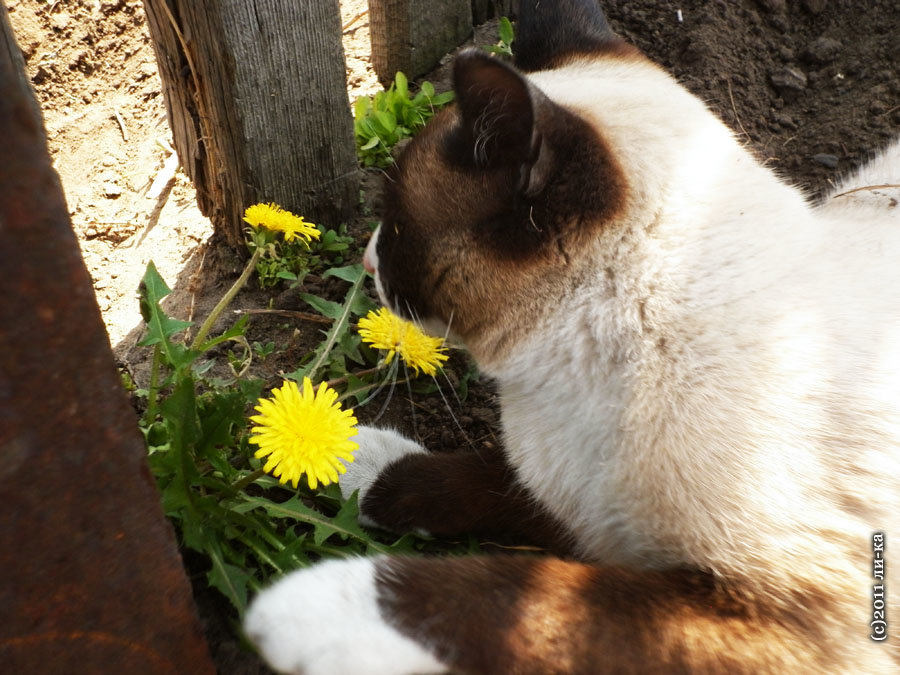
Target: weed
[391,116]
[507,37]
[213,487]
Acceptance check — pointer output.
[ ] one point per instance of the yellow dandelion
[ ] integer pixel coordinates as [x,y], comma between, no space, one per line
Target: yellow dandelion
[273,217]
[302,432]
[384,330]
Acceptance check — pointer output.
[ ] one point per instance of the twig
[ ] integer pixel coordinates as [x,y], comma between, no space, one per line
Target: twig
[358,374]
[354,20]
[889,111]
[866,187]
[121,124]
[734,110]
[163,184]
[306,316]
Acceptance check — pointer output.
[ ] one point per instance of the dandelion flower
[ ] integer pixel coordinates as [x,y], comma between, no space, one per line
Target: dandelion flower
[303,432]
[273,217]
[384,330]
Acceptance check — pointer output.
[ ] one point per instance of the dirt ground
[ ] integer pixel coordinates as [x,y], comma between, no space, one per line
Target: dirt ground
[813,86]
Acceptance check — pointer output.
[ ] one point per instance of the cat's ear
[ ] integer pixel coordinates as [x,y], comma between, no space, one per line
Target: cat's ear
[500,114]
[550,33]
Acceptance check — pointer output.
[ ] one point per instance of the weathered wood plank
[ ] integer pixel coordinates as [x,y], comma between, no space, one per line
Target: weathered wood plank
[256,98]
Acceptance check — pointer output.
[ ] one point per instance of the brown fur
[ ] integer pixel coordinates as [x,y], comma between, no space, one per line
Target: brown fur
[465,244]
[447,494]
[516,615]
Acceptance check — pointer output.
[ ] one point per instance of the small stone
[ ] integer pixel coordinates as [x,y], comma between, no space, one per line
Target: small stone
[785,53]
[785,121]
[59,22]
[822,51]
[826,160]
[789,82]
[112,190]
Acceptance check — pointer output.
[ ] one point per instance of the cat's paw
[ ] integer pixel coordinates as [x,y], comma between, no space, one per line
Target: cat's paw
[378,448]
[326,620]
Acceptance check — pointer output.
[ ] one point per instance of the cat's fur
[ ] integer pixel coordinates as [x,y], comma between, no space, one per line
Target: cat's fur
[700,382]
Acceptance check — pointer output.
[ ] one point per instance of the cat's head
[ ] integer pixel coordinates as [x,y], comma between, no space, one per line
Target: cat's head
[490,210]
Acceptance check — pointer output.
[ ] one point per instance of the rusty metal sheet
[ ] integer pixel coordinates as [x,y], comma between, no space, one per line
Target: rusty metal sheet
[90,576]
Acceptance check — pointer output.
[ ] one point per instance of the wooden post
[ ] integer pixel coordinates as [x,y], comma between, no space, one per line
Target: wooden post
[389,34]
[92,579]
[257,100]
[482,10]
[413,35]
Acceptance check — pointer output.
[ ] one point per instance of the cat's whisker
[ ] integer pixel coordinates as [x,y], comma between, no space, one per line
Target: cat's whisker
[412,405]
[392,375]
[450,410]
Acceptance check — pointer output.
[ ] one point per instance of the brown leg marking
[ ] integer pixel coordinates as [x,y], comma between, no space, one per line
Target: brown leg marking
[464,492]
[538,615]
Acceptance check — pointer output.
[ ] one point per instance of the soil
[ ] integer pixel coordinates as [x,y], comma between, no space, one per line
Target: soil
[813,86]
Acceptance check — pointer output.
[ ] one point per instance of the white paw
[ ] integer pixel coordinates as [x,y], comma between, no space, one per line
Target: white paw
[377,449]
[325,620]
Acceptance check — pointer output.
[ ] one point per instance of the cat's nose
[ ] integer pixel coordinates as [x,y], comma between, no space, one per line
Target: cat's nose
[370,268]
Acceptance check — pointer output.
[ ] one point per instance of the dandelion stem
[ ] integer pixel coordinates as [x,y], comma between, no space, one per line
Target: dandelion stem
[360,374]
[251,477]
[337,327]
[153,389]
[226,299]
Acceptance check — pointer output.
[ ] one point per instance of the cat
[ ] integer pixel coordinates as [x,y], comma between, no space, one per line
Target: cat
[699,376]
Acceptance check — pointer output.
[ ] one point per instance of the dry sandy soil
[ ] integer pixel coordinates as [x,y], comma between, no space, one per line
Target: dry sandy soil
[813,86]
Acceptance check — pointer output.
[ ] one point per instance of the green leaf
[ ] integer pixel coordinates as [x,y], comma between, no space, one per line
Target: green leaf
[348,273]
[428,89]
[323,527]
[218,419]
[237,330]
[231,581]
[179,414]
[349,344]
[442,99]
[371,143]
[159,326]
[401,85]
[385,122]
[324,307]
[506,30]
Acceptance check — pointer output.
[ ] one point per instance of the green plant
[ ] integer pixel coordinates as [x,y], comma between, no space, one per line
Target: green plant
[391,116]
[248,525]
[292,260]
[507,37]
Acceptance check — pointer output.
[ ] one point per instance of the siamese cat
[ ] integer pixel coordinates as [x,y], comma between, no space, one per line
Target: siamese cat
[699,374]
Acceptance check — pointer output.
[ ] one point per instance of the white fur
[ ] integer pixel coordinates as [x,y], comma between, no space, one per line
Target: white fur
[774,402]
[325,620]
[724,390]
[377,449]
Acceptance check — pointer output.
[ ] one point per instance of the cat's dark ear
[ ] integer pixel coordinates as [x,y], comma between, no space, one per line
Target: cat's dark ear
[500,112]
[548,32]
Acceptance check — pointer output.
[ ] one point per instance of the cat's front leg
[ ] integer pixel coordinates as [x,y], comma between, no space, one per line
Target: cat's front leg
[326,620]
[539,615]
[403,487]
